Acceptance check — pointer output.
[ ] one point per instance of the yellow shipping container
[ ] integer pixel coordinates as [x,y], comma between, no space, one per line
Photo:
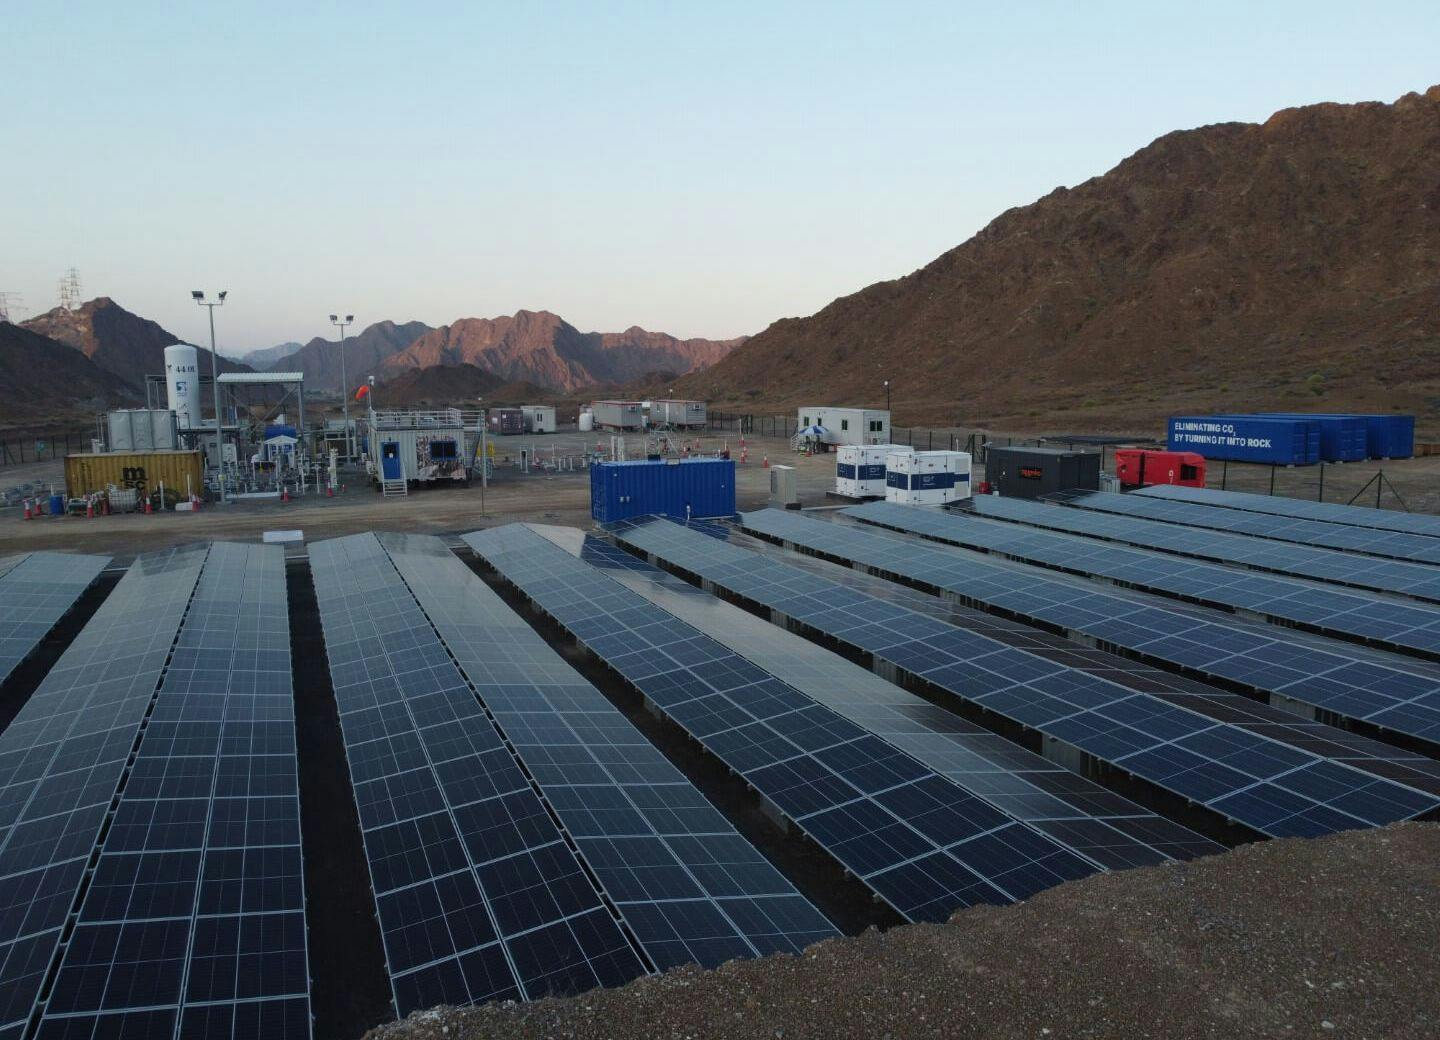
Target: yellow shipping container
[144,471]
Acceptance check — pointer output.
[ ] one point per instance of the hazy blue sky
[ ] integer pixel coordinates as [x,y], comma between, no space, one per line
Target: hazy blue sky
[698,168]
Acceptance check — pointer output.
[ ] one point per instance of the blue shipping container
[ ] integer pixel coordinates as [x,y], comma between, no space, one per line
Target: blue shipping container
[1342,437]
[680,488]
[1386,436]
[1285,442]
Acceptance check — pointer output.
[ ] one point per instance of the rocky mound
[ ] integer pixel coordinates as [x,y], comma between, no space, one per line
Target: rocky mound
[1291,264]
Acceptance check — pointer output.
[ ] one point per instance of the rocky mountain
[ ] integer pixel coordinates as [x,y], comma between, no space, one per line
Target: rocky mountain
[457,386]
[124,344]
[542,348]
[1290,264]
[267,357]
[45,380]
[364,353]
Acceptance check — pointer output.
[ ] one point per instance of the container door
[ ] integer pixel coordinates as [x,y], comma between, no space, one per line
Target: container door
[390,467]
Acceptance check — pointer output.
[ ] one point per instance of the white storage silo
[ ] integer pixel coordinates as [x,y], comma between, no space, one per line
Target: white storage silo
[182,385]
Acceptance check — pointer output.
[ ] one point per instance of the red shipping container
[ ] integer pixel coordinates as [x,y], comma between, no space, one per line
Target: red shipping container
[1136,467]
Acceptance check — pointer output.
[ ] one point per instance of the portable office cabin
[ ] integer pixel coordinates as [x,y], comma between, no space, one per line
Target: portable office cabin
[1285,442]
[539,418]
[1019,472]
[684,414]
[684,489]
[848,425]
[618,415]
[426,455]
[506,421]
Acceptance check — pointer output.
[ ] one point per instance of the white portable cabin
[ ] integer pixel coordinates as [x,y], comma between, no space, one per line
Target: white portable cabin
[860,469]
[684,414]
[927,478]
[539,418]
[422,446]
[848,425]
[618,415]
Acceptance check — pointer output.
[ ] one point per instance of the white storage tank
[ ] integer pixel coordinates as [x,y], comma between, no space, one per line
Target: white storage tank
[860,468]
[927,478]
[182,385]
[587,421]
[142,429]
[539,418]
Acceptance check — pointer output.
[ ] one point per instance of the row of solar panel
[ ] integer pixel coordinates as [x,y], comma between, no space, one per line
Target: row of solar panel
[1268,786]
[1351,682]
[1395,545]
[1329,512]
[1416,580]
[1410,628]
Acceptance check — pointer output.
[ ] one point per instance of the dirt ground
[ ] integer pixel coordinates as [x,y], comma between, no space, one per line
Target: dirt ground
[1302,938]
[564,498]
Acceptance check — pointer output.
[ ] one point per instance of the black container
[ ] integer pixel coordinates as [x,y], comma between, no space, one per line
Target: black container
[1032,472]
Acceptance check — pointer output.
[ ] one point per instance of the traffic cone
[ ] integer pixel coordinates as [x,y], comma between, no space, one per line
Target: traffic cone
[27,509]
[329,491]
[284,493]
[766,463]
[149,507]
[89,509]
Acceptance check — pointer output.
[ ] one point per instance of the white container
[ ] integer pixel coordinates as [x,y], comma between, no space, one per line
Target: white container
[782,488]
[587,421]
[848,425]
[539,418]
[182,384]
[683,414]
[860,468]
[927,478]
[618,415]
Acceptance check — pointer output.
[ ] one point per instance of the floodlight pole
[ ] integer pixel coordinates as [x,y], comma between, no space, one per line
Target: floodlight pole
[345,385]
[199,297]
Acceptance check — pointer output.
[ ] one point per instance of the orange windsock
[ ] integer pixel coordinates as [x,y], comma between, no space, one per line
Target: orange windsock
[364,391]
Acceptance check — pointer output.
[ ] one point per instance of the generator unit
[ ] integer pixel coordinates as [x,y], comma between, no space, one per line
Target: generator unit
[860,468]
[1032,472]
[927,478]
[1137,467]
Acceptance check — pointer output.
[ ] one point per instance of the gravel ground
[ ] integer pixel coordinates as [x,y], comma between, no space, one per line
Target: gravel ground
[1328,938]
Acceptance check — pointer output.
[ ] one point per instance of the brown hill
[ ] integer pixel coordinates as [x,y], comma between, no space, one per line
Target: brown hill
[1290,264]
[542,348]
[457,386]
[47,381]
[364,354]
[122,343]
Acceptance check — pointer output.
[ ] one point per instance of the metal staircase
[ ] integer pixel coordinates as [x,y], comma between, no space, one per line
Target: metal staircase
[395,488]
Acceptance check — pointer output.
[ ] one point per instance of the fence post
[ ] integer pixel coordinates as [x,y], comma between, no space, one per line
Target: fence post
[932,440]
[1272,478]
[1321,496]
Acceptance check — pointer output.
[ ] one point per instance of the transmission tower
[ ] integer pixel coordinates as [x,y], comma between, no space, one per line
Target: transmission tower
[9,304]
[70,290]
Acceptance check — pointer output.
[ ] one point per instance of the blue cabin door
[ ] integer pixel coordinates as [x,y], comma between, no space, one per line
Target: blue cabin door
[390,467]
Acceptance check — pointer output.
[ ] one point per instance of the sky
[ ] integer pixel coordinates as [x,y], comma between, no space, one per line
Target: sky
[701,169]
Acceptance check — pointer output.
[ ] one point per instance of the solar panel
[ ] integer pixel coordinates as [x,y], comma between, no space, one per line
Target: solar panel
[1365,753]
[690,887]
[1409,628]
[36,591]
[916,839]
[1263,784]
[1076,812]
[1389,544]
[62,759]
[193,923]
[1417,580]
[479,896]
[7,563]
[1330,512]
[1349,682]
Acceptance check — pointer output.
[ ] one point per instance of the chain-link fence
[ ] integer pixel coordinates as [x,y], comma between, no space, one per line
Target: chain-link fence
[21,449]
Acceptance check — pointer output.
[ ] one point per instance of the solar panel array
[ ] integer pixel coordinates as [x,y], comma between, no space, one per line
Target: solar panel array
[1351,682]
[193,923]
[689,886]
[1270,787]
[918,841]
[1410,628]
[1389,544]
[1330,512]
[1417,580]
[479,896]
[1365,753]
[62,759]
[36,591]
[1098,824]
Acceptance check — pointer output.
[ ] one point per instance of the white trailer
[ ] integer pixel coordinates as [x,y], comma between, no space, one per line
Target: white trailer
[927,478]
[848,425]
[682,414]
[539,418]
[860,469]
[618,415]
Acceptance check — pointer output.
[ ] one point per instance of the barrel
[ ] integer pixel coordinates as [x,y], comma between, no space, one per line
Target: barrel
[57,505]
